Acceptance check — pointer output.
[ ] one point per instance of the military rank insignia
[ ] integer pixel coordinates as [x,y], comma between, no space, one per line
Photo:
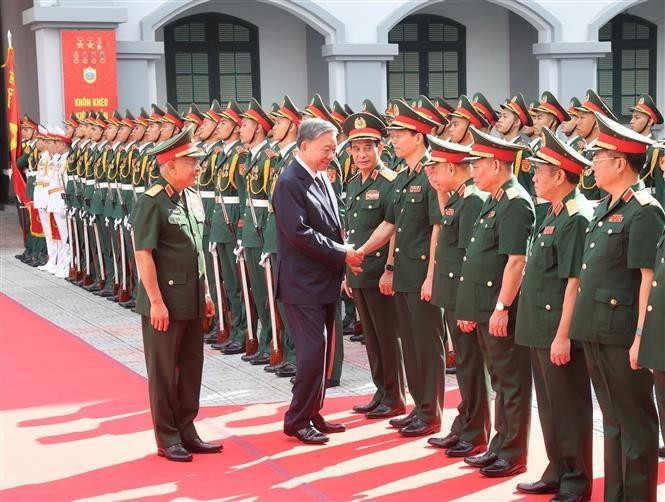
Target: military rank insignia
[616,218]
[548,230]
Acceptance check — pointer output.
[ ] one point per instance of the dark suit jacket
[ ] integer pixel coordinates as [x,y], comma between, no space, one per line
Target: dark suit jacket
[310,248]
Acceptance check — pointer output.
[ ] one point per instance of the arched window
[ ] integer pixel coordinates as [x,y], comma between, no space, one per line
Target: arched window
[431,59]
[211,56]
[630,69]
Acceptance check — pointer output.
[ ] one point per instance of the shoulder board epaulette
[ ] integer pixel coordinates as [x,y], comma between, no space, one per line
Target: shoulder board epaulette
[240,149]
[270,152]
[468,191]
[511,193]
[643,197]
[571,207]
[154,190]
[388,174]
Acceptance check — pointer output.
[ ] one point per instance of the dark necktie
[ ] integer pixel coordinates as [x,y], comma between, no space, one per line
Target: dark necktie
[324,190]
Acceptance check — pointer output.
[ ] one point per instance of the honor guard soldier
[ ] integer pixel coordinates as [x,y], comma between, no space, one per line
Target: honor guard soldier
[414,219]
[548,293]
[481,104]
[194,117]
[173,297]
[368,195]
[449,172]
[446,110]
[652,346]
[487,300]
[424,106]
[645,116]
[465,116]
[227,223]
[587,128]
[514,117]
[262,158]
[608,318]
[569,127]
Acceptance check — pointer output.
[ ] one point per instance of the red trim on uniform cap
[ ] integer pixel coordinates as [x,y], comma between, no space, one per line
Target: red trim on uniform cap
[174,120]
[443,111]
[497,153]
[141,121]
[365,131]
[647,111]
[593,107]
[64,139]
[316,112]
[485,111]
[428,113]
[164,157]
[293,117]
[446,156]
[194,118]
[213,115]
[521,113]
[337,116]
[566,163]
[231,114]
[402,120]
[553,110]
[256,116]
[155,116]
[477,123]
[621,145]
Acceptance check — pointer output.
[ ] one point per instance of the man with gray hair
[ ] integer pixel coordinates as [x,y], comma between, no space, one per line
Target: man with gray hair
[311,258]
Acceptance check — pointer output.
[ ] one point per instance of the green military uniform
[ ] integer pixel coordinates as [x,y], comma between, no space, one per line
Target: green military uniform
[504,228]
[472,422]
[621,240]
[367,202]
[414,212]
[483,106]
[651,174]
[563,392]
[171,226]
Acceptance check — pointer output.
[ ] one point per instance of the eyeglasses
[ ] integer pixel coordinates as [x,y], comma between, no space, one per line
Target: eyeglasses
[596,161]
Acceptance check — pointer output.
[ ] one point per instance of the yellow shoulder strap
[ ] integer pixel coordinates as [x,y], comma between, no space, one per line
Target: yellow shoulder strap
[232,170]
[517,166]
[266,175]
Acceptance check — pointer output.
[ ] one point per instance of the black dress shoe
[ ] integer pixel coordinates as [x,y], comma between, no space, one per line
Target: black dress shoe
[364,408]
[357,338]
[272,368]
[129,304]
[482,460]
[308,435]
[537,488]
[198,446]
[326,427]
[260,359]
[210,338]
[115,298]
[419,428]
[445,442]
[233,348]
[292,380]
[384,411]
[661,452]
[332,382]
[568,497]
[175,453]
[464,449]
[287,370]
[248,357]
[502,468]
[104,293]
[398,423]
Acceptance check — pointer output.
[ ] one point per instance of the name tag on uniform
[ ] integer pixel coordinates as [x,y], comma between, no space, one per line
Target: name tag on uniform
[372,195]
[449,211]
[616,218]
[548,230]
[415,189]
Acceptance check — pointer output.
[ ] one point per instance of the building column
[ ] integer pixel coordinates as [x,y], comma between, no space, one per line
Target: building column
[136,62]
[358,71]
[568,69]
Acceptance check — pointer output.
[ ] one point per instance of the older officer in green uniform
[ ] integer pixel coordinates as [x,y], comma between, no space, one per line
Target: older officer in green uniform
[617,272]
[548,293]
[487,300]
[173,297]
[368,195]
[460,202]
[415,220]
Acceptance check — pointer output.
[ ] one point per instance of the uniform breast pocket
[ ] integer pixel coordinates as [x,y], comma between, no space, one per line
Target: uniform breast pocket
[545,252]
[370,205]
[172,278]
[449,230]
[614,241]
[488,235]
[614,312]
[415,205]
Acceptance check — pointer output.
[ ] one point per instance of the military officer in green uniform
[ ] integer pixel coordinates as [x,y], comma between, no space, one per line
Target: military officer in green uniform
[173,297]
[587,129]
[569,127]
[547,296]
[487,300]
[617,273]
[460,201]
[414,218]
[465,116]
[645,116]
[368,195]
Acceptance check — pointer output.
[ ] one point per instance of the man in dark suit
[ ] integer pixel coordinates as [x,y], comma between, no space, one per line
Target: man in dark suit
[311,256]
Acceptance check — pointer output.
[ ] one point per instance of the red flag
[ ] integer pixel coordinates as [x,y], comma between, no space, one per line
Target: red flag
[14,121]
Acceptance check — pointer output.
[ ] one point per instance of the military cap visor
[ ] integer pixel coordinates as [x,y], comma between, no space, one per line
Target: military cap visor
[549,104]
[646,105]
[445,151]
[618,138]
[553,151]
[467,111]
[489,147]
[363,125]
[178,146]
[407,118]
[289,111]
[595,104]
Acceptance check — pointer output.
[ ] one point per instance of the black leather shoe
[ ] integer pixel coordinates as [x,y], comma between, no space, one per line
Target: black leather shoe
[92,287]
[326,427]
[333,382]
[398,423]
[383,411]
[20,257]
[357,338]
[272,368]
[175,453]
[260,359]
[502,468]
[568,497]
[210,338]
[419,428]
[248,357]
[537,488]
[661,452]
[105,293]
[129,304]
[364,408]
[482,460]
[445,442]
[233,348]
[308,435]
[287,370]
[198,446]
[112,298]
[464,449]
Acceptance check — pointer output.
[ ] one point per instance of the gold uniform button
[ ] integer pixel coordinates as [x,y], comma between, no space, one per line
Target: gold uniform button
[489,284]
[461,279]
[378,253]
[600,223]
[654,284]
[423,257]
[662,260]
[451,275]
[579,290]
[370,206]
[482,220]
[399,229]
[473,239]
[171,282]
[355,215]
[649,308]
[413,200]
[583,266]
[396,250]
[548,307]
[592,245]
[542,244]
[587,230]
[614,302]
[358,197]
[464,258]
[403,190]
[353,231]
[609,231]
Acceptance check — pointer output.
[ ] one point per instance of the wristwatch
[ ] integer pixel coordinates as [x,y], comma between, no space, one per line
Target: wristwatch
[389,267]
[501,307]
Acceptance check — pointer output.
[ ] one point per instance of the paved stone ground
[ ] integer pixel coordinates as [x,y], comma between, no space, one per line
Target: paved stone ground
[117,332]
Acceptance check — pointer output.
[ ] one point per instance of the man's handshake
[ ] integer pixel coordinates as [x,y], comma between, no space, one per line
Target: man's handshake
[354,259]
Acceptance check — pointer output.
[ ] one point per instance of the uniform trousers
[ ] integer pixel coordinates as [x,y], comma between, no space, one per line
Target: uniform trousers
[659,384]
[257,280]
[233,287]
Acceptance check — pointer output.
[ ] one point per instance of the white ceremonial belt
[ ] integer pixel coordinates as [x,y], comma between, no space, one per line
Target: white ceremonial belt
[259,202]
[139,189]
[207,194]
[89,182]
[104,185]
[126,186]
[227,200]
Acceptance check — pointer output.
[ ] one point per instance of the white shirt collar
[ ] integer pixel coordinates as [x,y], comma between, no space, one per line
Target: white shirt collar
[227,146]
[284,151]
[256,149]
[311,171]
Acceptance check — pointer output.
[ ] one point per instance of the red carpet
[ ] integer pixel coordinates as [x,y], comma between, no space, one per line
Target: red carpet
[75,425]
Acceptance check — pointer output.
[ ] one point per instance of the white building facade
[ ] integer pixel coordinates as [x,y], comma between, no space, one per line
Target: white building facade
[193,51]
